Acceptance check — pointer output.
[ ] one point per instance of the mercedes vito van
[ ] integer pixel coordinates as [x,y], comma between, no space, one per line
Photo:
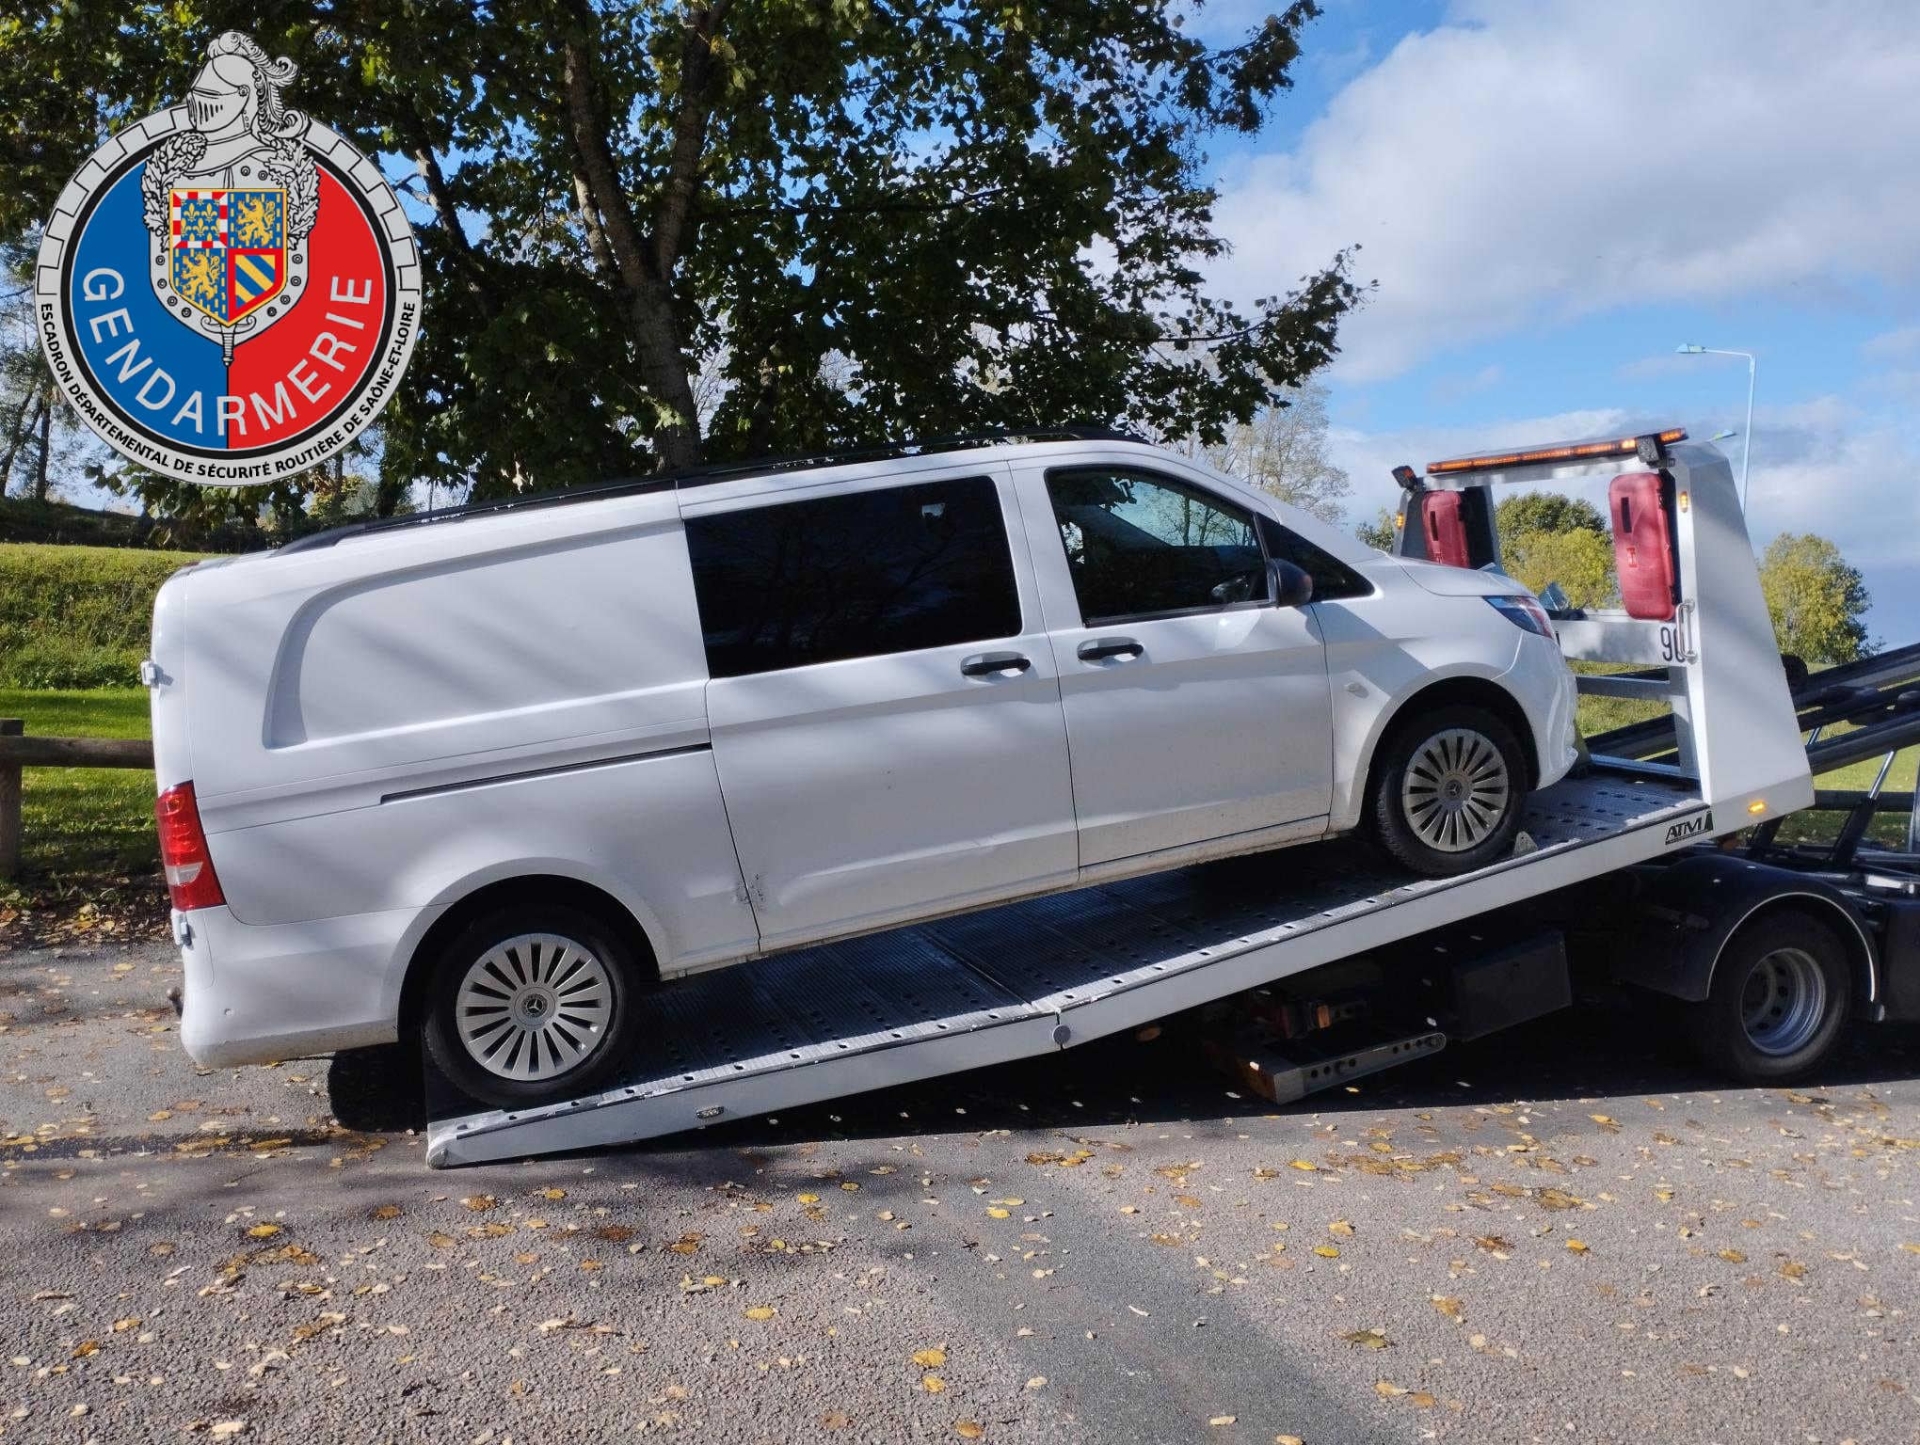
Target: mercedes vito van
[490,777]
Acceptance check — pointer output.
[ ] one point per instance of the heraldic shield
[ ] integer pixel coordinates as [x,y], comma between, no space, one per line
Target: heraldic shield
[227,250]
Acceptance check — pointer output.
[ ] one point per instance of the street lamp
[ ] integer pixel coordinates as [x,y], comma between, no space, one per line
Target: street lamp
[1746,445]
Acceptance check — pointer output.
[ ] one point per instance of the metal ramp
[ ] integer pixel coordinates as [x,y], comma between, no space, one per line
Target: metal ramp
[1022,979]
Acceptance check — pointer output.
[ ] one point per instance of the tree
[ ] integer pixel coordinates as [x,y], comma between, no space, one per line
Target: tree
[1816,600]
[1378,533]
[872,218]
[1579,559]
[1546,512]
[1283,450]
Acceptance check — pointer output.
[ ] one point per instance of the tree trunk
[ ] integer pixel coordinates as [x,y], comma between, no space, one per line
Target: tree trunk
[46,446]
[643,266]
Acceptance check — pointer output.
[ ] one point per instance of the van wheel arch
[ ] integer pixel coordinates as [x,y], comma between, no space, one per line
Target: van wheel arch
[532,889]
[1461,691]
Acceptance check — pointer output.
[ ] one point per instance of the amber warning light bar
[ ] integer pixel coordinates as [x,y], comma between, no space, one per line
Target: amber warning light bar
[1649,448]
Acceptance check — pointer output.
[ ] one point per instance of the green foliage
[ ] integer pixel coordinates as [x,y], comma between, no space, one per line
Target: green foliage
[1579,560]
[1546,512]
[1378,533]
[77,617]
[727,229]
[1817,601]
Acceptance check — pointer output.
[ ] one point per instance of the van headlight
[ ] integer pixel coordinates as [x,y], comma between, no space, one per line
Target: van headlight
[1523,612]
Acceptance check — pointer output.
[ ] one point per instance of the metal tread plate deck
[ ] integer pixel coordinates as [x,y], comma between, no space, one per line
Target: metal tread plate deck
[1023,978]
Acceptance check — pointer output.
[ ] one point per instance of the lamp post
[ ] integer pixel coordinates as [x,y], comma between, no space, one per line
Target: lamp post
[1746,445]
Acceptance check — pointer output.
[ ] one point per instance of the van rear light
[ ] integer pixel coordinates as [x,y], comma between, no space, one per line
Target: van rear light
[183,851]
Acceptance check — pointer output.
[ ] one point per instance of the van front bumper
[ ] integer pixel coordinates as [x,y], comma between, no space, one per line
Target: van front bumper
[255,994]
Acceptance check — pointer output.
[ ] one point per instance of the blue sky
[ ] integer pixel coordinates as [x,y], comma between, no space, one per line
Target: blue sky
[1554,194]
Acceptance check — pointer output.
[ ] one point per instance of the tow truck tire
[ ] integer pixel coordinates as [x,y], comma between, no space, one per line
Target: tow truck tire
[1446,790]
[533,1004]
[1778,1000]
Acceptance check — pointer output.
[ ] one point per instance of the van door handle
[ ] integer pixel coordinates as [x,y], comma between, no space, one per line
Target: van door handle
[1105,647]
[985,664]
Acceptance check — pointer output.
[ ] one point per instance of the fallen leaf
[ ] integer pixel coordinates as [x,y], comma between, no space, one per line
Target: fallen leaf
[1793,1269]
[1732,1256]
[932,1384]
[1038,1382]
[687,1244]
[808,1198]
[1388,1388]
[551,1194]
[1556,1199]
[479,1203]
[1449,1305]
[997,1213]
[263,1231]
[85,1348]
[930,1358]
[227,1429]
[384,1211]
[1341,1228]
[1492,1243]
[1911,1248]
[1605,1122]
[968,1429]
[760,1312]
[1578,1246]
[1223,1419]
[850,1186]
[1288,1440]
[835,1420]
[1305,1165]
[1366,1339]
[131,1322]
[1326,1251]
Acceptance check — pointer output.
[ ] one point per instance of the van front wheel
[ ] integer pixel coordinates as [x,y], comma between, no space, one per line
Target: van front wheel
[531,1006]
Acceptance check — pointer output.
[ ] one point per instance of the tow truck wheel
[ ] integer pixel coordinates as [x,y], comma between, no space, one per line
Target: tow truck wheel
[531,1005]
[1446,791]
[1778,1001]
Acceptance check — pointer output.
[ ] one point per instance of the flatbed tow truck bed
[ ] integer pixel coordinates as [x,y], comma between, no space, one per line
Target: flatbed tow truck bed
[1029,978]
[1032,977]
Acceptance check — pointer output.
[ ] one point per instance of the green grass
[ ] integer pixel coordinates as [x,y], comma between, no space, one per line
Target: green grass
[83,824]
[78,617]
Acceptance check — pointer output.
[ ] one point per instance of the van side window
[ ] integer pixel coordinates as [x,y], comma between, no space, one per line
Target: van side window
[1142,545]
[861,575]
[1332,578]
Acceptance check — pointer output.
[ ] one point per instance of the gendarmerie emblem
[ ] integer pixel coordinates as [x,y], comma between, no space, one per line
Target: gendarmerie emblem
[228,291]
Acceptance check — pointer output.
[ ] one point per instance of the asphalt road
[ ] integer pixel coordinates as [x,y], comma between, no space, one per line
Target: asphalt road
[1562,1233]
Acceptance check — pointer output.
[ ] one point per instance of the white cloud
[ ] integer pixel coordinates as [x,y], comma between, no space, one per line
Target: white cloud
[1530,161]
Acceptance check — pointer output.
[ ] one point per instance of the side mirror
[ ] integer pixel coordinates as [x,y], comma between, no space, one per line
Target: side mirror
[1289,585]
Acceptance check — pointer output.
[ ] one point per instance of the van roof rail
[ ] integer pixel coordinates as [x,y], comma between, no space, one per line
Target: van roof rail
[716,472]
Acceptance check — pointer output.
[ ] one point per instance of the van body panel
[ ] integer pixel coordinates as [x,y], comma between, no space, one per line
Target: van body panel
[651,831]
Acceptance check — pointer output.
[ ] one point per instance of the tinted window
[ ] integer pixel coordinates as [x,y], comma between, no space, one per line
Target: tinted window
[1139,545]
[1332,578]
[853,576]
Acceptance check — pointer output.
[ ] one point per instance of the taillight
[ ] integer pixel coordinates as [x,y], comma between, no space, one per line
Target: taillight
[183,851]
[1524,613]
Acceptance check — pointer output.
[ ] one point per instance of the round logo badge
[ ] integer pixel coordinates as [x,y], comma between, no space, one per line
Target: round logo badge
[228,292]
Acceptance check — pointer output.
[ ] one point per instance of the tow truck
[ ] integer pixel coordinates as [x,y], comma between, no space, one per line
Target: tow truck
[1336,965]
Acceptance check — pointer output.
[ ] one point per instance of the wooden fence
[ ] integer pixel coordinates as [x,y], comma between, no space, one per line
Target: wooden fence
[18,751]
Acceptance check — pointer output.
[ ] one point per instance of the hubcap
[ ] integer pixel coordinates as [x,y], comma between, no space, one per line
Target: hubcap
[1783,1001]
[1455,790]
[534,1007]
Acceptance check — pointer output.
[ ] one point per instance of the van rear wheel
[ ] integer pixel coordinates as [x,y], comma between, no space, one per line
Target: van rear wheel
[531,1005]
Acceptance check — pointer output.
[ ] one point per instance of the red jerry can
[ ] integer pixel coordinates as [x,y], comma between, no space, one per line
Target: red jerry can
[1643,546]
[1445,529]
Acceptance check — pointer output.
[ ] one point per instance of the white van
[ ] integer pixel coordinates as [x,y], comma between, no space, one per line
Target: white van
[489,776]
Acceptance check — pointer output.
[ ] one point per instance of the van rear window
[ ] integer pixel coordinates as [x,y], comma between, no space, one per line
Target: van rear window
[859,575]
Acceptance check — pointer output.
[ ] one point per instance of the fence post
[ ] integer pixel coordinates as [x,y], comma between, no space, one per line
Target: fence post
[10,727]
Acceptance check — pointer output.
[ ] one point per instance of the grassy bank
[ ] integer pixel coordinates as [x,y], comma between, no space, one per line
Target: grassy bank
[78,617]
